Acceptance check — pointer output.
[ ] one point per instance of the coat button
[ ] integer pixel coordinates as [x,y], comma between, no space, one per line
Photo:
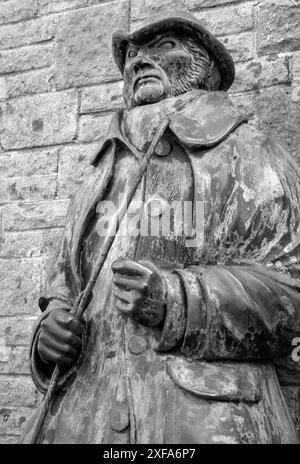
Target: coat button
[163,148]
[156,205]
[119,418]
[137,345]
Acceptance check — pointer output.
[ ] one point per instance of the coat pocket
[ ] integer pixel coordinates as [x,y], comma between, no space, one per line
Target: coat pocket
[219,381]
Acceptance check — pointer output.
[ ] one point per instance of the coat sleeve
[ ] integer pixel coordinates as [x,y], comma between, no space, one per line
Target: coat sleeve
[61,293]
[245,302]
[64,281]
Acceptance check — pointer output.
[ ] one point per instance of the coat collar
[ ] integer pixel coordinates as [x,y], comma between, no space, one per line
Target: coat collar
[203,122]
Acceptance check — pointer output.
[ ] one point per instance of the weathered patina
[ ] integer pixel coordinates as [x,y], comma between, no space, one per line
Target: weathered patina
[192,359]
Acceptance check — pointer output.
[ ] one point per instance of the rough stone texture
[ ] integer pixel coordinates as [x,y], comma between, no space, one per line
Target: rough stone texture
[278,26]
[21,283]
[28,216]
[279,116]
[46,119]
[14,360]
[15,332]
[141,9]
[12,419]
[240,46]
[16,10]
[29,163]
[27,32]
[16,85]
[52,6]
[25,58]
[102,98]
[28,244]
[58,85]
[78,65]
[234,18]
[74,165]
[259,73]
[93,127]
[17,391]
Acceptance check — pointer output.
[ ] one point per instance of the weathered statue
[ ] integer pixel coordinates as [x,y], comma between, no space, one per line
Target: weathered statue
[179,339]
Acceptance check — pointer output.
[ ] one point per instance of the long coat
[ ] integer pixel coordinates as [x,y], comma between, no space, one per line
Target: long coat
[233,301]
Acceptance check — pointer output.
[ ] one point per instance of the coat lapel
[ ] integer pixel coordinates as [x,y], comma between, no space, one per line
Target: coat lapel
[207,121]
[86,202]
[204,122]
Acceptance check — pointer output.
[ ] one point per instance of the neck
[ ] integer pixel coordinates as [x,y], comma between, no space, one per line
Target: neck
[140,123]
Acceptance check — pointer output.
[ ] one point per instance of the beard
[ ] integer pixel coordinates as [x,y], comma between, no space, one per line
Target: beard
[180,74]
[200,72]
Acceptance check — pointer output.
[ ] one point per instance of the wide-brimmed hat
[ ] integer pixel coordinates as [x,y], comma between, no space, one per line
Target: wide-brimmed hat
[182,23]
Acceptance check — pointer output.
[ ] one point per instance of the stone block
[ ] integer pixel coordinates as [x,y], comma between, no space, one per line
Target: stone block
[16,332]
[28,32]
[240,46]
[29,244]
[278,26]
[29,163]
[21,285]
[16,10]
[40,215]
[26,58]
[17,362]
[53,6]
[39,120]
[28,83]
[13,420]
[36,188]
[74,167]
[280,116]
[17,391]
[93,128]
[84,55]
[261,73]
[102,98]
[234,18]
[141,9]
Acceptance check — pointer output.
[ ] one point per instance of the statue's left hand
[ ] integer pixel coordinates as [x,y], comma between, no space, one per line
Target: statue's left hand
[139,291]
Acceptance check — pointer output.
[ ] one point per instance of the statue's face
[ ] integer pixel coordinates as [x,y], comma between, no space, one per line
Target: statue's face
[163,67]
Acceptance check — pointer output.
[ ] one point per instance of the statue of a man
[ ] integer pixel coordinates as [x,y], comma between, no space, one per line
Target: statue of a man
[178,342]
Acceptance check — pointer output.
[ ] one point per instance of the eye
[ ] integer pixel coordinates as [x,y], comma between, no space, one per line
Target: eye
[131,53]
[167,44]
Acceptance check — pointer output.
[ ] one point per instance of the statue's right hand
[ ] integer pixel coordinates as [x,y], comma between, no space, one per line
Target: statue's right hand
[60,338]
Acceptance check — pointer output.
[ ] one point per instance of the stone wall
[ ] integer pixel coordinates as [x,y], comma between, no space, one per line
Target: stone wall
[58,88]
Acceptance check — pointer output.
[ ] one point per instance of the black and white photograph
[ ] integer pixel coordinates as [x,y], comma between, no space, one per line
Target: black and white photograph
[149,225]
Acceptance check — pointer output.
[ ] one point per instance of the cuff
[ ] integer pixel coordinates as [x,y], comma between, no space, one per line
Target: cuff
[195,338]
[175,319]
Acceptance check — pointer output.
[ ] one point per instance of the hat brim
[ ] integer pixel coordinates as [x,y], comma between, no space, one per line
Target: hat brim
[183,26]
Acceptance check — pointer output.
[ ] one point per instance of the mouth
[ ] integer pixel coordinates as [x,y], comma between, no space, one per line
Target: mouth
[146,79]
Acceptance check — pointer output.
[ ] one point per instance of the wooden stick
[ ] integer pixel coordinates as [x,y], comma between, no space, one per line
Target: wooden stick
[83,299]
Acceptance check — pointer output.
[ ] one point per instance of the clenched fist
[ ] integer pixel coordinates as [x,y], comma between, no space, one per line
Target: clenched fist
[60,338]
[139,291]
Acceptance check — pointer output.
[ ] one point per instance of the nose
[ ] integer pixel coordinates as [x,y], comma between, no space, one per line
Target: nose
[141,63]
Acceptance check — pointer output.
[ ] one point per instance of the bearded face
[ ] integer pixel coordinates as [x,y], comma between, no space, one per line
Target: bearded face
[165,67]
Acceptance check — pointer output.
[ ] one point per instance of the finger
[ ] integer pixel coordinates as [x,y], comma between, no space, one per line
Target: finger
[127,297]
[61,335]
[59,347]
[50,355]
[130,284]
[122,295]
[67,321]
[125,308]
[128,267]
